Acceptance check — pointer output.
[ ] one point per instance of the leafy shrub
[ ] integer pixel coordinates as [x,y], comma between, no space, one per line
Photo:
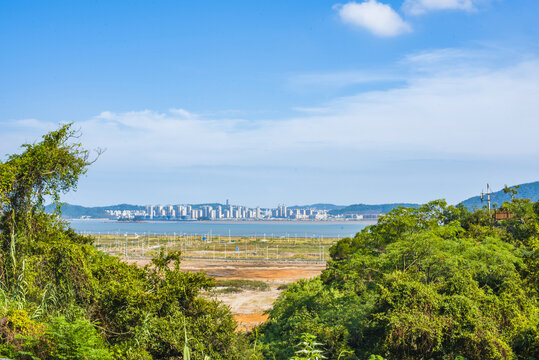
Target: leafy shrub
[437,282]
[49,271]
[74,340]
[308,348]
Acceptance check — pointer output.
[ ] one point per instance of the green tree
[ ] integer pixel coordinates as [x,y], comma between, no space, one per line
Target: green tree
[80,302]
[436,282]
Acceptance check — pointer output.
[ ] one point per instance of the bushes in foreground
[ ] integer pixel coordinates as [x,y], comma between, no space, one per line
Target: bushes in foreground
[438,282]
[63,299]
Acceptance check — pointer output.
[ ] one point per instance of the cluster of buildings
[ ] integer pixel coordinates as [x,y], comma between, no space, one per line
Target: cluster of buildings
[126,214]
[221,212]
[217,212]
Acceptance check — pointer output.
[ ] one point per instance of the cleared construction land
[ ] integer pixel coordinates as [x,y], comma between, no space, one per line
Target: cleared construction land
[132,247]
[262,268]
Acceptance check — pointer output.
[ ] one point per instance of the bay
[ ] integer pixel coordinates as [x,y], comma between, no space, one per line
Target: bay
[247,228]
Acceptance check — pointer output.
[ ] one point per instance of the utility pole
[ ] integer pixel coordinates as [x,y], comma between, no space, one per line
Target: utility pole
[126,246]
[487,197]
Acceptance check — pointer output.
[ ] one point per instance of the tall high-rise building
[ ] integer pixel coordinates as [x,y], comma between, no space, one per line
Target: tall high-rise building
[149,211]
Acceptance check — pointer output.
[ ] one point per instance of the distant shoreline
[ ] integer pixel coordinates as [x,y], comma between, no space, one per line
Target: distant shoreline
[370,221]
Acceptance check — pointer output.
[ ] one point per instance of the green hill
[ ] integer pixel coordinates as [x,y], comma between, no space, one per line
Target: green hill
[77,211]
[525,191]
[370,209]
[318,206]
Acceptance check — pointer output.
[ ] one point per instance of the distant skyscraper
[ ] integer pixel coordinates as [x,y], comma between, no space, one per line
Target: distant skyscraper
[149,211]
[160,211]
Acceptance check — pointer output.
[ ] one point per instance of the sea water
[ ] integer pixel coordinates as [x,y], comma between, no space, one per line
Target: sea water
[224,228]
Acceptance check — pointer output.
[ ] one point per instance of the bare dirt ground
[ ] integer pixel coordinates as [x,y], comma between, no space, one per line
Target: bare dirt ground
[248,307]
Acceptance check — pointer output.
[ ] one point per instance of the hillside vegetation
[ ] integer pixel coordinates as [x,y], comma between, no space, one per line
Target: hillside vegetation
[370,209]
[99,212]
[428,282]
[62,299]
[434,282]
[525,191]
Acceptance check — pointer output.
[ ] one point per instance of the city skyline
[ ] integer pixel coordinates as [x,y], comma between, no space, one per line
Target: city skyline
[229,212]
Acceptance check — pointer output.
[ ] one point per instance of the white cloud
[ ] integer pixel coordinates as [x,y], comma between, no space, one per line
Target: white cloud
[418,7]
[482,112]
[309,82]
[439,55]
[376,17]
[182,113]
[437,109]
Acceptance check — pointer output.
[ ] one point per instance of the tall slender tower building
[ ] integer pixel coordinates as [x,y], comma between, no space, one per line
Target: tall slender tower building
[149,211]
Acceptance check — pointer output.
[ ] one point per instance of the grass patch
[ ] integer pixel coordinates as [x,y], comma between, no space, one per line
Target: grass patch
[283,287]
[243,285]
[227,290]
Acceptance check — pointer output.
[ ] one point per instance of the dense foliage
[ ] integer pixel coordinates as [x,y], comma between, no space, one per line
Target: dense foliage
[525,191]
[369,209]
[434,282]
[62,299]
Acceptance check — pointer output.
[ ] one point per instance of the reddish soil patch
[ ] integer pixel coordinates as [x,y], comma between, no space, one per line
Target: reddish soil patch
[271,272]
[248,307]
[249,321]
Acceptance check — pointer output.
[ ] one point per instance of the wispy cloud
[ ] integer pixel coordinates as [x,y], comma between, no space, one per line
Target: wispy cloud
[479,112]
[452,112]
[419,7]
[340,79]
[378,18]
[182,113]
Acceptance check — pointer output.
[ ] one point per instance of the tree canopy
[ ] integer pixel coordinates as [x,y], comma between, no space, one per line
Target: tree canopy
[434,282]
[60,298]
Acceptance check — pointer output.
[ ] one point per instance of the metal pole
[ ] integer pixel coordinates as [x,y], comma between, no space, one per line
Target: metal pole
[488,197]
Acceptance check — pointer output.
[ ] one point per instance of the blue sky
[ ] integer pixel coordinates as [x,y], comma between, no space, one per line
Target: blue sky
[278,102]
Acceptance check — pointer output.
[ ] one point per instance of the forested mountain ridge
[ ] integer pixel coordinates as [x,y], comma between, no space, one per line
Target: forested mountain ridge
[318,206]
[76,211]
[370,209]
[524,191]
